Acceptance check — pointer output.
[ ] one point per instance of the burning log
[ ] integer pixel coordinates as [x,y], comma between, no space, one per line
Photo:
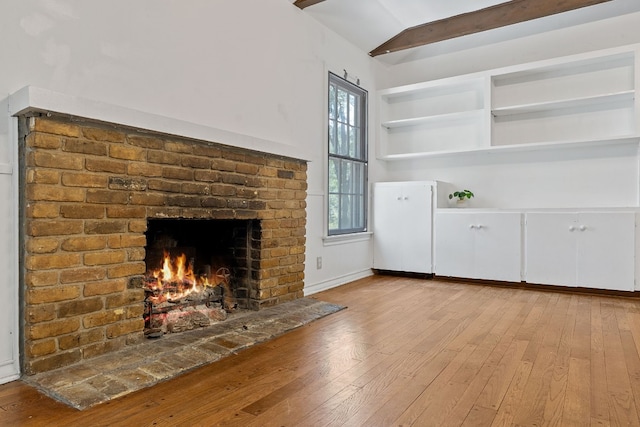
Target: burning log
[176,299]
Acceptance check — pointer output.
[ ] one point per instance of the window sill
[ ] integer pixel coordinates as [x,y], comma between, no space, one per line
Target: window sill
[343,239]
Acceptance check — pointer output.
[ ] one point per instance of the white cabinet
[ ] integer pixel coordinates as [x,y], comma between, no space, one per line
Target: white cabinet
[594,250]
[478,245]
[402,226]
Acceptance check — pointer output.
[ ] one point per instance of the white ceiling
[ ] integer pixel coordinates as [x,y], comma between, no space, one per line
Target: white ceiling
[369,23]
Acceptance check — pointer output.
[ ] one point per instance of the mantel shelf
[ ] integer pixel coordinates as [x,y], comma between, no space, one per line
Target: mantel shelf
[438,118]
[555,145]
[627,95]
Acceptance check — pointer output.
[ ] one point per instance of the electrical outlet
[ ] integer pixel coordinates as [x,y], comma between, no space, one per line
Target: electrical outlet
[319,262]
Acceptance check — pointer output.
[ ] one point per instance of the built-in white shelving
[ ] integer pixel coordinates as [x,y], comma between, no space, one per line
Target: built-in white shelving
[579,101]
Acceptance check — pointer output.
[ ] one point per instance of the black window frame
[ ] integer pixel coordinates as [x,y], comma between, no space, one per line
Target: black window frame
[350,198]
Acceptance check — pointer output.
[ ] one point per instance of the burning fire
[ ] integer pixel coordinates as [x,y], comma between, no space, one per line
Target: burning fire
[176,279]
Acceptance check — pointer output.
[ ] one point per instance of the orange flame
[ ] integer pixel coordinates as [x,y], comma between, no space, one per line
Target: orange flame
[175,279]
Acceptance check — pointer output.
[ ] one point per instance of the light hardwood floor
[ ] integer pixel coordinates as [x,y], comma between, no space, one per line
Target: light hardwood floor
[405,352]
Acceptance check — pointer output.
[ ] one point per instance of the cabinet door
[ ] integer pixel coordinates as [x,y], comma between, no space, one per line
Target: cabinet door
[551,248]
[498,246]
[606,247]
[387,222]
[415,224]
[455,244]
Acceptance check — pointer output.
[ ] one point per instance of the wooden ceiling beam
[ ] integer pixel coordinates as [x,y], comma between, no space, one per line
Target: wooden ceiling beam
[492,17]
[306,3]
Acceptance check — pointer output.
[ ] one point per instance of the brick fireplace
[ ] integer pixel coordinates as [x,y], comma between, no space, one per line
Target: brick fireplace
[89,191]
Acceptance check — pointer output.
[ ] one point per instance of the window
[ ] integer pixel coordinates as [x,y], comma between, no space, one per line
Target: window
[347,157]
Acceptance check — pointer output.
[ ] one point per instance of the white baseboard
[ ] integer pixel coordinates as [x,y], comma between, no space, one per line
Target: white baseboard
[9,378]
[313,288]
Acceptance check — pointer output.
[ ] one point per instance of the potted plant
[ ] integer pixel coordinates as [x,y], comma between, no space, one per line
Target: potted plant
[461,197]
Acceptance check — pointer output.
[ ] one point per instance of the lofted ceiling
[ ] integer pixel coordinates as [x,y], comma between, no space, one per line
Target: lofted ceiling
[384,28]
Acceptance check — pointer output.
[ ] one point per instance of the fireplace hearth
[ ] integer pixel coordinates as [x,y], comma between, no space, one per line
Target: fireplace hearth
[102,202]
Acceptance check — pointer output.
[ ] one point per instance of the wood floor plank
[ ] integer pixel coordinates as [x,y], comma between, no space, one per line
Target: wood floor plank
[576,408]
[511,402]
[600,394]
[405,351]
[496,387]
[407,392]
[435,393]
[622,407]
[479,416]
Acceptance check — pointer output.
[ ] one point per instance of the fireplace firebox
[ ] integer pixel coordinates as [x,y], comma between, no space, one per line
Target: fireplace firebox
[195,272]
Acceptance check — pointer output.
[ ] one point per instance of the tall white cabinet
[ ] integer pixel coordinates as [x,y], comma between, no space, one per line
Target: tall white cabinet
[402,226]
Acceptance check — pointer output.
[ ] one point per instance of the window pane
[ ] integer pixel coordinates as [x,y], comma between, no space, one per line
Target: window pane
[358,178]
[334,175]
[353,143]
[352,110]
[342,105]
[332,137]
[346,178]
[332,102]
[359,218]
[334,209]
[345,211]
[343,140]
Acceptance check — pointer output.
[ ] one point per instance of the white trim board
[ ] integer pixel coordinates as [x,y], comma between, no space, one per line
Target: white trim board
[34,99]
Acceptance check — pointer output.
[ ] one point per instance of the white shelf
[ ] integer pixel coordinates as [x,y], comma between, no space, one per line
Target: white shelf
[451,84]
[437,118]
[518,148]
[569,66]
[622,96]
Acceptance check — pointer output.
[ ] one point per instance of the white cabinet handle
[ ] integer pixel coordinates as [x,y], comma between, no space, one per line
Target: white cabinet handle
[472,226]
[572,228]
[406,198]
[399,198]
[479,226]
[583,227]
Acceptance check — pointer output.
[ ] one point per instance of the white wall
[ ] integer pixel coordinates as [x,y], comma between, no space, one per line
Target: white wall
[254,67]
[594,177]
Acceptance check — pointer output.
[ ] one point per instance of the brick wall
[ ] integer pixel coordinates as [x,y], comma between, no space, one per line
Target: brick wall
[88,189]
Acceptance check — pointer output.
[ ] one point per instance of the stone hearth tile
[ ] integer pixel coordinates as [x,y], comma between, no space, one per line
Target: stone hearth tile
[160,345]
[178,363]
[136,378]
[102,378]
[256,336]
[73,375]
[115,360]
[195,357]
[80,396]
[107,385]
[235,341]
[158,369]
[213,349]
